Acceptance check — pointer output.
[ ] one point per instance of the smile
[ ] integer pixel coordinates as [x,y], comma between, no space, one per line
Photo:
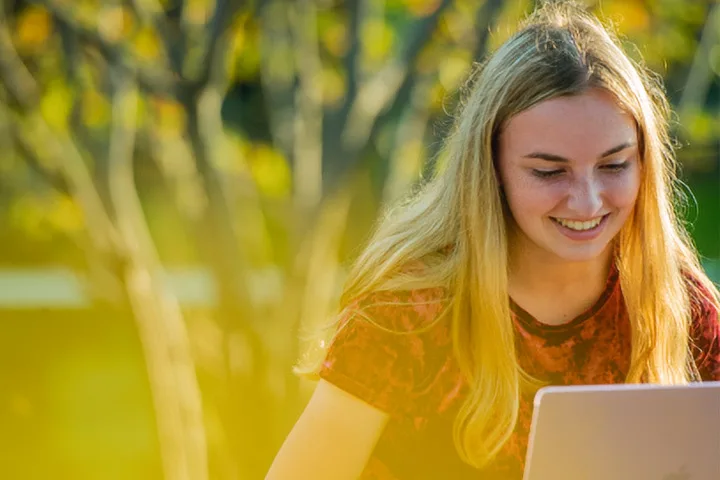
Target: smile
[578,225]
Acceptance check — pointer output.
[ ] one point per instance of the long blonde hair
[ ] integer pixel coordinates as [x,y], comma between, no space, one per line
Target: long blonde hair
[455,226]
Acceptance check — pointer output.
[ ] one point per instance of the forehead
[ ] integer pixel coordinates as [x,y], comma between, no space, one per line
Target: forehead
[575,127]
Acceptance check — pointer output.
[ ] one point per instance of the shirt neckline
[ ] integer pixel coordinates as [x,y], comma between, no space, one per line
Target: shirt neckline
[535,326]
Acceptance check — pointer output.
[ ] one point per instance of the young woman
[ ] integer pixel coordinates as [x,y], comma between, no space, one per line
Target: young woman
[546,252]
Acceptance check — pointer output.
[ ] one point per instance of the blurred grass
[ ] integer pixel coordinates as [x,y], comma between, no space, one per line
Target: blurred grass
[74,401]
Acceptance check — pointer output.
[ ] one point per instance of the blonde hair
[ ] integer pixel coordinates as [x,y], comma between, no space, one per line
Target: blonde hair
[455,226]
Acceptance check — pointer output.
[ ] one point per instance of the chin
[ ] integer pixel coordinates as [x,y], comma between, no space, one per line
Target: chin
[580,254]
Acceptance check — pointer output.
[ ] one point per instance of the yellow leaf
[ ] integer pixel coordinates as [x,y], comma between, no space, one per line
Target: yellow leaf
[146,44]
[169,115]
[437,97]
[457,24]
[378,39]
[421,8]
[333,86]
[115,23]
[33,29]
[429,57]
[247,55]
[334,38]
[466,7]
[86,12]
[410,159]
[270,171]
[453,69]
[95,109]
[42,216]
[238,39]
[65,214]
[630,16]
[236,43]
[56,105]
[197,11]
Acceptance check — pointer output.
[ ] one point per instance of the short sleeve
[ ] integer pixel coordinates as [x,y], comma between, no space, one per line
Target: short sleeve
[705,333]
[391,350]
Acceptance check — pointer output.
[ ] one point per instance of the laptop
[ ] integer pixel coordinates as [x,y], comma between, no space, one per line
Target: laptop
[625,432]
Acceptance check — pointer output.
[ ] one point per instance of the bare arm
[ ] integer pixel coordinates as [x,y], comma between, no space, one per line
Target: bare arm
[332,439]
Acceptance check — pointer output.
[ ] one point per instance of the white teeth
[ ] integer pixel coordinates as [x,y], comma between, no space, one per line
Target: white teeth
[580,226]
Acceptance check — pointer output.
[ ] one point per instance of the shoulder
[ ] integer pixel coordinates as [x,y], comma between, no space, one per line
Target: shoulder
[704,329]
[389,347]
[400,310]
[703,303]
[398,324]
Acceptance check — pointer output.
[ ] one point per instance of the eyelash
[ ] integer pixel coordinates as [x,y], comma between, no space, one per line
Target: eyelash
[611,167]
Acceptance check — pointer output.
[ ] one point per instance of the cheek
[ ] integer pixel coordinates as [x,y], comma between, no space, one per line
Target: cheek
[530,197]
[622,192]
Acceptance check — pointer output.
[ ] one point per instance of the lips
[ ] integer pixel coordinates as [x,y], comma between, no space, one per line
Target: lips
[577,231]
[579,225]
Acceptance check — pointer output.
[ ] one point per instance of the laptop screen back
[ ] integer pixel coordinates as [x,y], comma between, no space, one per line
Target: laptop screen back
[625,432]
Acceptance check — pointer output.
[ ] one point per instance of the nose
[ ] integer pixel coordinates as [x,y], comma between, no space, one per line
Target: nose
[585,197]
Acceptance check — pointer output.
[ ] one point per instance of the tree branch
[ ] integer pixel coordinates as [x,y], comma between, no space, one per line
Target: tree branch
[151,13]
[32,160]
[376,95]
[350,60]
[207,66]
[277,74]
[15,76]
[307,154]
[214,71]
[334,121]
[700,75]
[160,323]
[485,18]
[156,80]
[404,171]
[59,149]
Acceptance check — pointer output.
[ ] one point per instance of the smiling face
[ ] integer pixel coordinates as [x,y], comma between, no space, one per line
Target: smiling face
[570,170]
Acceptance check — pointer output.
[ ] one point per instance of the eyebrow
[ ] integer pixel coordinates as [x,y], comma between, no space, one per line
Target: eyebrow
[557,158]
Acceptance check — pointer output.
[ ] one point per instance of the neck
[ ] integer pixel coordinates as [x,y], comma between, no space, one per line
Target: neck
[543,273]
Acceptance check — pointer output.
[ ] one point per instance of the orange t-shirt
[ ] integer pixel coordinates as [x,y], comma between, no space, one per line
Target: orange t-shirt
[415,378]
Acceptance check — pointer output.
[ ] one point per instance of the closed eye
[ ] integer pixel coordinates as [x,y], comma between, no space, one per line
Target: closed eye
[547,173]
[610,167]
[616,167]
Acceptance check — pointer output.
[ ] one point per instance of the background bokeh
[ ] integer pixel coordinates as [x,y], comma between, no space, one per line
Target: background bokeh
[183,183]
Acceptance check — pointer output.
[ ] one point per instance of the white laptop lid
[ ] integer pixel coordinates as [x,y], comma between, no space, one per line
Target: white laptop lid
[625,432]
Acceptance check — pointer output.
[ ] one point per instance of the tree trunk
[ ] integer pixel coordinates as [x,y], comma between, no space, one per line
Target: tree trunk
[161,326]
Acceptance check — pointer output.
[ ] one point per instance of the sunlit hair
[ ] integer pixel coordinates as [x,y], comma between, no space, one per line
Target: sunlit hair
[455,226]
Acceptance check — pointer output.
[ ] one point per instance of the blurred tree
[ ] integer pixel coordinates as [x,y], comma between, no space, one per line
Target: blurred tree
[51,134]
[99,99]
[103,84]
